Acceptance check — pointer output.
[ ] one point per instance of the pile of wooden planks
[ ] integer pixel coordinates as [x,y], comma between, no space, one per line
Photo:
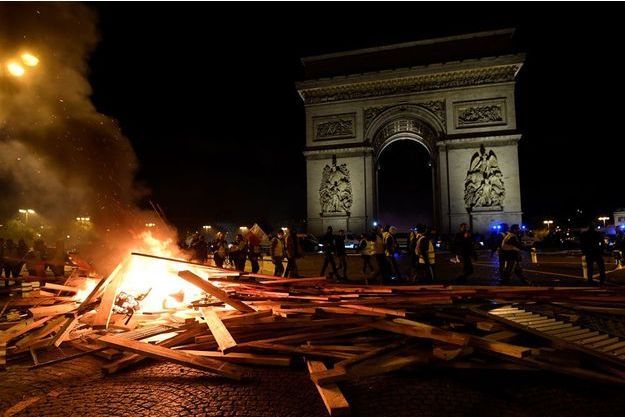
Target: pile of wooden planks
[341,332]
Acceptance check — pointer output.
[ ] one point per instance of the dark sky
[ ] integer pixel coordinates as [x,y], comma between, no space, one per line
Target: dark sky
[206,94]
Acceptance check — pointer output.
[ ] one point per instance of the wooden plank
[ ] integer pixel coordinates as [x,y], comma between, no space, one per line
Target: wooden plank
[592,339]
[64,331]
[299,281]
[53,310]
[162,353]
[52,326]
[500,347]
[421,330]
[572,333]
[247,318]
[105,309]
[608,349]
[586,335]
[558,332]
[331,395]
[380,310]
[300,351]
[21,328]
[131,359]
[502,336]
[214,291]
[602,343]
[244,358]
[218,329]
[58,287]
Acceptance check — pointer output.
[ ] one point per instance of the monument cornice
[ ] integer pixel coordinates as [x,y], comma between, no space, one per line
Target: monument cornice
[412,80]
[472,142]
[324,153]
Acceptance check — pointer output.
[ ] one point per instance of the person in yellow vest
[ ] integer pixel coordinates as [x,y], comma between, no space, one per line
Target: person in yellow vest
[425,253]
[381,267]
[277,253]
[367,250]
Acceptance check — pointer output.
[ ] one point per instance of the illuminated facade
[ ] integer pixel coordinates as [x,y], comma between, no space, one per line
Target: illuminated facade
[454,96]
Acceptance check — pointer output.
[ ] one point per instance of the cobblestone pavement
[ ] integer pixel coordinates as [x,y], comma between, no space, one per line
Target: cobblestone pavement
[77,388]
[160,389]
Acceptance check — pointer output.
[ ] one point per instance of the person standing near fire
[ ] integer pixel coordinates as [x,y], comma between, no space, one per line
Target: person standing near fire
[6,276]
[292,253]
[277,252]
[238,252]
[426,255]
[220,249]
[341,255]
[253,251]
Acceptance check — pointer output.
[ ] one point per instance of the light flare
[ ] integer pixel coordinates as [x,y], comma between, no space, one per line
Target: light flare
[29,59]
[15,69]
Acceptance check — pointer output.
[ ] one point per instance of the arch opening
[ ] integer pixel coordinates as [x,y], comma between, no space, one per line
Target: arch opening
[405,189]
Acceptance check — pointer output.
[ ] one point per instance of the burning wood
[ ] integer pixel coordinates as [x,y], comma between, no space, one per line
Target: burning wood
[216,320]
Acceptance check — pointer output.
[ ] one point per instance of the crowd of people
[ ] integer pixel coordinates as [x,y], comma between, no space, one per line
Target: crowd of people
[284,245]
[37,259]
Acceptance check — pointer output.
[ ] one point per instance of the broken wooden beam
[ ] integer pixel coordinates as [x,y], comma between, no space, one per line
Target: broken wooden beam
[331,395]
[162,353]
[216,292]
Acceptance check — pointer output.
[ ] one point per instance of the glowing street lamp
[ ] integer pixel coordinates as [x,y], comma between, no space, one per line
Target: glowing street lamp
[15,69]
[548,223]
[83,219]
[603,218]
[150,225]
[26,212]
[29,59]
[207,228]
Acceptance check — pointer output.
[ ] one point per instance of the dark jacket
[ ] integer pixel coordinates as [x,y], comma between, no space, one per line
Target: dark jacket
[463,244]
[339,245]
[329,243]
[591,242]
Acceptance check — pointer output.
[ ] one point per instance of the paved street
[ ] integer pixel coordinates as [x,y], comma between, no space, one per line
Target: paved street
[77,388]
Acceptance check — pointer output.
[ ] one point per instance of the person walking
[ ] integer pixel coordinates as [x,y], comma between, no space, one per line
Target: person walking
[497,248]
[510,254]
[329,245]
[277,253]
[390,249]
[380,273]
[366,247]
[220,249]
[463,246]
[238,252]
[341,255]
[293,252]
[593,246]
[253,251]
[426,256]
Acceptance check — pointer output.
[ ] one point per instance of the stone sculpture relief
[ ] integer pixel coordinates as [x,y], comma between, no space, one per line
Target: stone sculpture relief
[335,129]
[335,192]
[483,186]
[486,114]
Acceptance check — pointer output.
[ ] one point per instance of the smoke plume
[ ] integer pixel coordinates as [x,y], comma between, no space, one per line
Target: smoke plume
[58,154]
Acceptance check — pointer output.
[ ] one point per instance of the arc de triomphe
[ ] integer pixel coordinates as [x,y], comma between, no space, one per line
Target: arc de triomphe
[454,96]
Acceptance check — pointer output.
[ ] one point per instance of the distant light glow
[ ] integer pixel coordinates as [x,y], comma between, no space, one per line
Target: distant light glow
[15,69]
[29,59]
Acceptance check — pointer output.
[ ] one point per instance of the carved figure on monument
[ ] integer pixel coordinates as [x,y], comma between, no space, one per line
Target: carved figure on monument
[335,192]
[483,186]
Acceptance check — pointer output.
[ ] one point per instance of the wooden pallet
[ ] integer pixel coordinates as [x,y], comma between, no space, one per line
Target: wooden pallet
[568,335]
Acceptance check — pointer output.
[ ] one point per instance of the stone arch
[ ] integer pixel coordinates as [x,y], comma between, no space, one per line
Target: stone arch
[405,121]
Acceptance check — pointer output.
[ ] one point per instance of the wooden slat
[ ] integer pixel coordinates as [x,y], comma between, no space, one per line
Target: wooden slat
[331,395]
[552,326]
[161,353]
[602,343]
[209,288]
[593,339]
[573,333]
[111,288]
[58,287]
[416,329]
[54,310]
[244,358]
[608,349]
[218,329]
[581,336]
[500,347]
[558,332]
[501,336]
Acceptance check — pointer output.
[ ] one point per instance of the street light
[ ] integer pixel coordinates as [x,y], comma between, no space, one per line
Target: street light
[603,218]
[548,223]
[207,228]
[26,212]
[150,225]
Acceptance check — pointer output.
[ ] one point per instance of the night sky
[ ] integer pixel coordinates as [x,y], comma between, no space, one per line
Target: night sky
[206,94]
